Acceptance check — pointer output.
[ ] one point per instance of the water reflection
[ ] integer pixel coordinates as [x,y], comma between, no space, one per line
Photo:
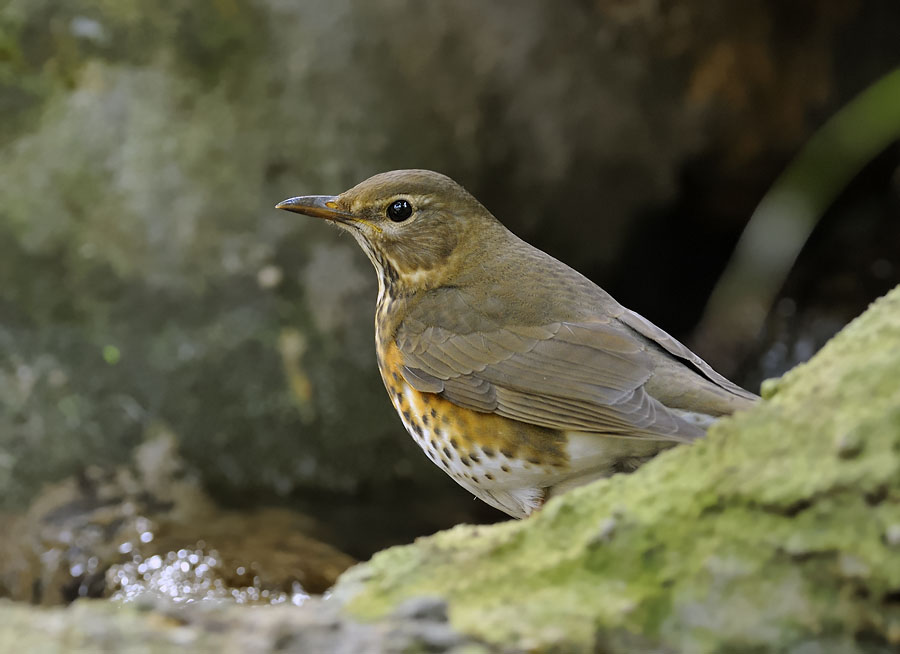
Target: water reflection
[192,575]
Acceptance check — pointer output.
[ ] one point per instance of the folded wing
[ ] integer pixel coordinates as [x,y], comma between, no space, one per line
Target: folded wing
[585,377]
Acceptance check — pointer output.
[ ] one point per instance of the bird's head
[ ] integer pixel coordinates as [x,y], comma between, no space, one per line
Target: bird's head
[418,227]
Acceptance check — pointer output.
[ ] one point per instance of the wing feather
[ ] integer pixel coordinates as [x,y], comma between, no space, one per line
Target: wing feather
[587,377]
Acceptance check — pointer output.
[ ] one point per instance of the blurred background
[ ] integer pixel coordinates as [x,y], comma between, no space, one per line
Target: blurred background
[150,293]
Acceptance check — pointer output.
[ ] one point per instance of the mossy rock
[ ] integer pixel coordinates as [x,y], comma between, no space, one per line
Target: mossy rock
[778,532]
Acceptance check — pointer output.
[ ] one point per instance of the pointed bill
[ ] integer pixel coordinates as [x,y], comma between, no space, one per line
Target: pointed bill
[317,206]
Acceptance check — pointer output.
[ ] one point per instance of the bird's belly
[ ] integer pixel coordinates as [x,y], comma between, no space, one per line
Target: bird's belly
[479,449]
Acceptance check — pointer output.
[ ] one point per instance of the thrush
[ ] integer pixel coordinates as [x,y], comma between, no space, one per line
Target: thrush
[515,374]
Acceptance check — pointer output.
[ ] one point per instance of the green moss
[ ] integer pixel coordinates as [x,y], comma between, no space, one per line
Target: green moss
[777,529]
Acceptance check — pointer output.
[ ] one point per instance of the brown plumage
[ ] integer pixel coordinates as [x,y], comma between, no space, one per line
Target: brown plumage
[516,374]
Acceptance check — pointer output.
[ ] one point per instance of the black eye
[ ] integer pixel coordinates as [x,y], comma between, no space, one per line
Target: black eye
[399,210]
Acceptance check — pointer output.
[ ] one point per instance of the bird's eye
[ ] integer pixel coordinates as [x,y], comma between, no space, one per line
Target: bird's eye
[399,210]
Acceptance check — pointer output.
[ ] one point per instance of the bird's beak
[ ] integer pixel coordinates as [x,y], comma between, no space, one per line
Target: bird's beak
[318,206]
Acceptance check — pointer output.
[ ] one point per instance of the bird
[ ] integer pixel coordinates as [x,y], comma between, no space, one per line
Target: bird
[515,374]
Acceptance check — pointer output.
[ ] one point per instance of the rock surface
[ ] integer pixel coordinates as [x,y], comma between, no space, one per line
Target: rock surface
[97,626]
[780,533]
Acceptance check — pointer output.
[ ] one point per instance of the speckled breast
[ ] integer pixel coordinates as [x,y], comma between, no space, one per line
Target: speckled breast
[489,455]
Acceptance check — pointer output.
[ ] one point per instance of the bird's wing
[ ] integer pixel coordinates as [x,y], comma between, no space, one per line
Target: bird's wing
[674,347]
[586,376]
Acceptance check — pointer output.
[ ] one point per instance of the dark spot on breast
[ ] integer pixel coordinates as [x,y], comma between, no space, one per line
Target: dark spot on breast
[489,476]
[417,429]
[475,478]
[533,460]
[504,468]
[507,453]
[453,443]
[396,377]
[399,396]
[465,461]
[447,452]
[433,413]
[426,398]
[488,451]
[425,419]
[475,458]
[407,416]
